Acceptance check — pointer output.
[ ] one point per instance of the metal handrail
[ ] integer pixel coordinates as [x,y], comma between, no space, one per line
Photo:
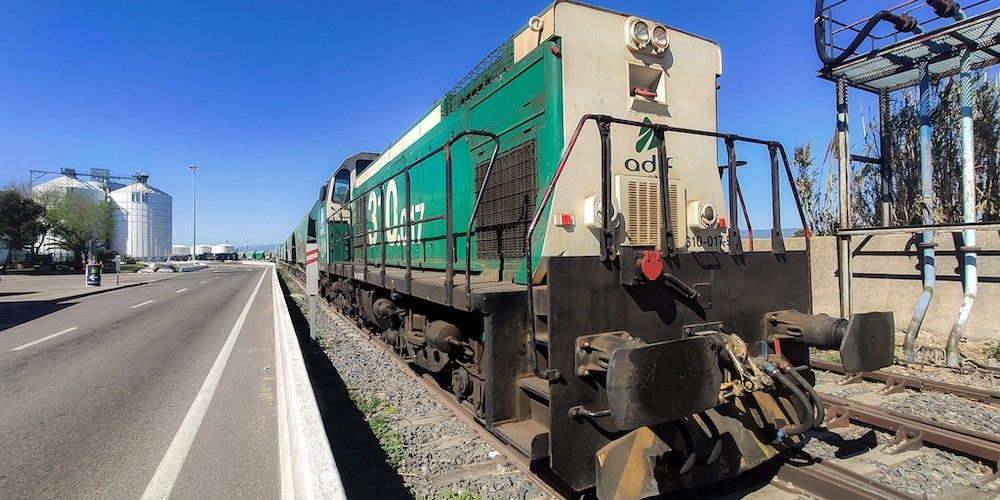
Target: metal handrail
[608,246]
[447,216]
[472,218]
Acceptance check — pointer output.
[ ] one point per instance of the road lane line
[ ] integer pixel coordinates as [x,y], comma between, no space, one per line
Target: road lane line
[43,339]
[182,290]
[203,282]
[142,304]
[163,480]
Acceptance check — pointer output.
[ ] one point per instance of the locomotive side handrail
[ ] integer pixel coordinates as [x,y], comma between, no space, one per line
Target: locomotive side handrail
[609,245]
[409,223]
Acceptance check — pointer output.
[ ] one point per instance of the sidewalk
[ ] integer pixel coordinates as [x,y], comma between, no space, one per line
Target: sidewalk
[15,288]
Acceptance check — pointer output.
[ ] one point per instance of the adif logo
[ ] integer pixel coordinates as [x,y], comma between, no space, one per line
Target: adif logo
[646,139]
[646,142]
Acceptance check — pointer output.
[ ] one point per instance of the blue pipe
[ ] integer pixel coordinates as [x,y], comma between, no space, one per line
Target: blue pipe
[926,244]
[970,275]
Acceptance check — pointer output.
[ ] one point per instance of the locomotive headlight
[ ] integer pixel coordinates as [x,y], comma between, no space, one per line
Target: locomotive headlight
[638,33]
[702,215]
[659,38]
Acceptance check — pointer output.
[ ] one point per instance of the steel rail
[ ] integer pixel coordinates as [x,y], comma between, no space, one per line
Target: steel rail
[896,382]
[914,430]
[826,480]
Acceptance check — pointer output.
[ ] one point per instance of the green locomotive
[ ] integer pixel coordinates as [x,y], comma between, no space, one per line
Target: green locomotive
[515,242]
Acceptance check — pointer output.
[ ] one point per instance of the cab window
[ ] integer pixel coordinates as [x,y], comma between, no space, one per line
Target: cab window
[342,187]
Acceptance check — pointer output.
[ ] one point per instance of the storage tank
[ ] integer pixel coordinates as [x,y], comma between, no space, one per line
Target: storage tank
[66,183]
[201,249]
[224,251]
[223,248]
[180,250]
[144,219]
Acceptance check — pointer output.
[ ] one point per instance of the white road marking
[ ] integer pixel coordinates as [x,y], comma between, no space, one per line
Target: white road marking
[142,303]
[182,290]
[43,339]
[215,278]
[162,483]
[203,282]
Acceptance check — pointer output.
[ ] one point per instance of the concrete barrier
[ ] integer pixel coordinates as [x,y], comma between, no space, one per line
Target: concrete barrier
[308,469]
[886,277]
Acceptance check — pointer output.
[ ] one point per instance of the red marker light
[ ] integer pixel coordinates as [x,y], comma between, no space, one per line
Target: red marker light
[722,222]
[566,220]
[652,264]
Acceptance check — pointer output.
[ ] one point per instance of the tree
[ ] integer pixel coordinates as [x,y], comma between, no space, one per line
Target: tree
[814,192]
[906,201]
[77,218]
[21,222]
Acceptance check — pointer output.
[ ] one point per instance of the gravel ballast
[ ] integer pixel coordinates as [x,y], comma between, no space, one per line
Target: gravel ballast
[436,454]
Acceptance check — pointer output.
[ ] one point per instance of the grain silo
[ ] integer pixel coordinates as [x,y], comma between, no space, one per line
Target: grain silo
[66,184]
[144,220]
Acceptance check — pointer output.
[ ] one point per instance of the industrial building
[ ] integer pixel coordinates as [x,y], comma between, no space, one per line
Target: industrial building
[143,220]
[143,214]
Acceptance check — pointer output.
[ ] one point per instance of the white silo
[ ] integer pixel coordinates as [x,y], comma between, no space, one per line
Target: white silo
[180,250]
[144,220]
[224,251]
[67,183]
[224,248]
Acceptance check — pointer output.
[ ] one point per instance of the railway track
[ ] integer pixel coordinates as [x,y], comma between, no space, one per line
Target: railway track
[826,480]
[897,383]
[909,431]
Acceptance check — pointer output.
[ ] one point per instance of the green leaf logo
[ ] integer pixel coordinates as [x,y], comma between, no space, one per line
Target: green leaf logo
[646,140]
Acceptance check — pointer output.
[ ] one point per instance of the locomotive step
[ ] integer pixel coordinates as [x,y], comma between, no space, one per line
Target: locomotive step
[528,436]
[542,338]
[536,386]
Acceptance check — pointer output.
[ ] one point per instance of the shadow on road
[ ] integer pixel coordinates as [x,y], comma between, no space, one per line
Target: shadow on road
[15,313]
[361,461]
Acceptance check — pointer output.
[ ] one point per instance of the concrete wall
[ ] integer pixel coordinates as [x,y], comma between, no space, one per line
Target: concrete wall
[886,277]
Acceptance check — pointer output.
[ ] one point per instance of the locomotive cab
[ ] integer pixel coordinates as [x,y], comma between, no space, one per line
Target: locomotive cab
[338,189]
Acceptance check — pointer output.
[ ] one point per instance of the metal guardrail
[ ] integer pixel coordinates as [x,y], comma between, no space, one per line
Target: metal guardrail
[308,469]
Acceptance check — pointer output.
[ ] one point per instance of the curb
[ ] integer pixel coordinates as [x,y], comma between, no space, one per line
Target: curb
[308,469]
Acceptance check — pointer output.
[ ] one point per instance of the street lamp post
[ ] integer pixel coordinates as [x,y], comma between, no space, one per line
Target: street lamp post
[194,213]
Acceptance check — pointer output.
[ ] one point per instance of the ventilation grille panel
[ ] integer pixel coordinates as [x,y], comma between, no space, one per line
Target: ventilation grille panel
[508,202]
[640,199]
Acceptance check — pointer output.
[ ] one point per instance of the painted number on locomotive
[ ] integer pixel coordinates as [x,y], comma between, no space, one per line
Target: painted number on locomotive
[394,216]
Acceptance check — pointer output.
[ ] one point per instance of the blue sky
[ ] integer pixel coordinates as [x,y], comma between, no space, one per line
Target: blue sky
[269,97]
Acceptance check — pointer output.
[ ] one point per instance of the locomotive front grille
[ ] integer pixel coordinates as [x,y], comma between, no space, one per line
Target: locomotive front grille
[508,202]
[640,200]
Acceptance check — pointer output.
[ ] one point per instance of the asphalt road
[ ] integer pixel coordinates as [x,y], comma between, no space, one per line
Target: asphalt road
[164,389]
